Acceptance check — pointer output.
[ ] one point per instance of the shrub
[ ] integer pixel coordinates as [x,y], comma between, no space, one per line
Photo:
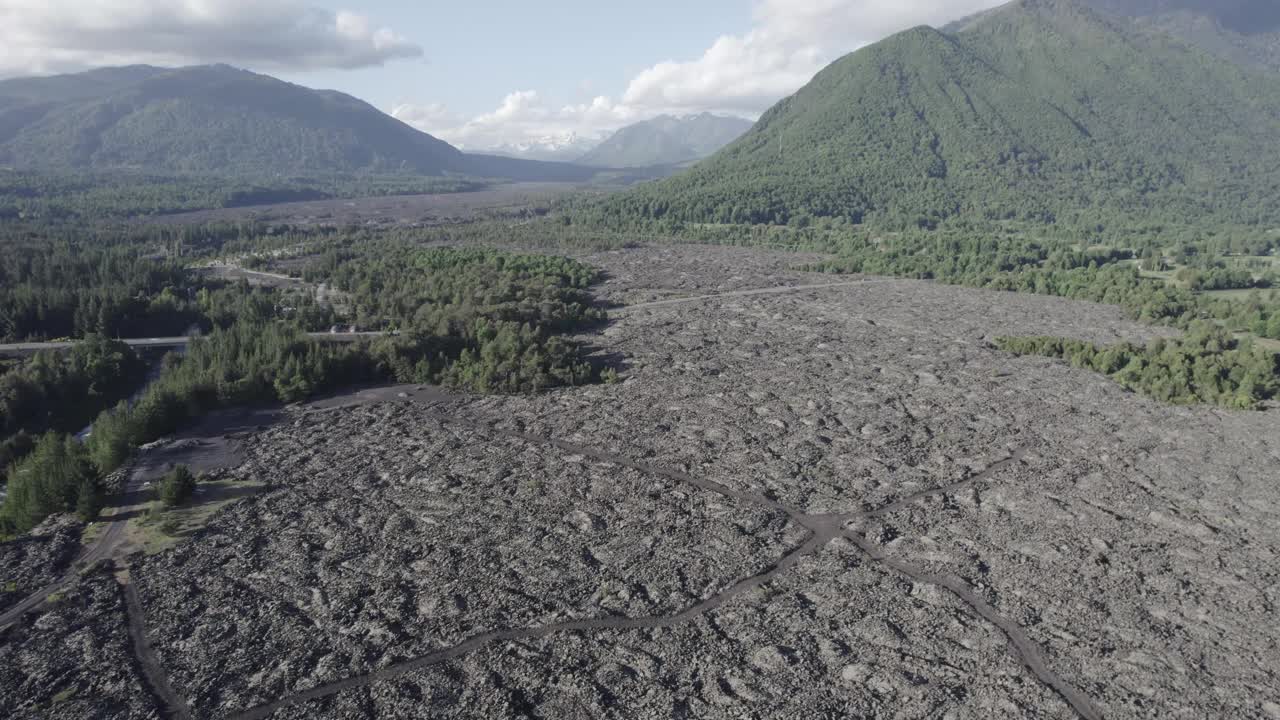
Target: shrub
[177,486]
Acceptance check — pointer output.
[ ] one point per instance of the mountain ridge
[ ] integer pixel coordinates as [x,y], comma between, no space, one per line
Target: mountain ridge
[1040,111]
[566,147]
[1246,32]
[666,140]
[220,119]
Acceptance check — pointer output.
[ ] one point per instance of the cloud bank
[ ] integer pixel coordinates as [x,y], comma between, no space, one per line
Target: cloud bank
[789,42]
[523,119]
[46,36]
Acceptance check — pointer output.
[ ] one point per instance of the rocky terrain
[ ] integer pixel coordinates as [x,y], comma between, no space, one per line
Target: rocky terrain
[39,558]
[835,501]
[416,535]
[75,660]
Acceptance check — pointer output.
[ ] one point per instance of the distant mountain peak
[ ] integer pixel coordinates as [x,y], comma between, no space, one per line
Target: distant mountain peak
[563,147]
[666,140]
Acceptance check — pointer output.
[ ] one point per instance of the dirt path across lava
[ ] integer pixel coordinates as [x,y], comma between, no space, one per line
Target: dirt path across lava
[823,529]
[151,669]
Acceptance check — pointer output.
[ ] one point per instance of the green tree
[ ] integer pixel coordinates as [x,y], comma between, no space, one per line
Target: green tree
[46,482]
[110,443]
[89,499]
[177,486]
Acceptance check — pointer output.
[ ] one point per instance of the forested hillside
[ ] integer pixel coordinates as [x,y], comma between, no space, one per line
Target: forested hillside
[1243,31]
[218,119]
[1044,111]
[666,140]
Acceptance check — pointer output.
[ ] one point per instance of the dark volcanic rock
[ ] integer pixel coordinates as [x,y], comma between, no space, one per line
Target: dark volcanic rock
[961,497]
[393,535]
[74,660]
[38,558]
[836,638]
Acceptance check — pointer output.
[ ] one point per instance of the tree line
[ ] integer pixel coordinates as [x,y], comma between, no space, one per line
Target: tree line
[1207,365]
[62,392]
[56,284]
[1018,265]
[56,477]
[90,196]
[476,319]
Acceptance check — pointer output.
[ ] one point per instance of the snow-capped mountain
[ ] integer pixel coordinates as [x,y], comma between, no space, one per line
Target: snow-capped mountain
[563,147]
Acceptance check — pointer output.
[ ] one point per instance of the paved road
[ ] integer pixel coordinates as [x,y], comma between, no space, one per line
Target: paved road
[162,342]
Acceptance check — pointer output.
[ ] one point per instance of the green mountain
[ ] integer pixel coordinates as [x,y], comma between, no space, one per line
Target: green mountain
[1042,111]
[666,140]
[218,119]
[1243,31]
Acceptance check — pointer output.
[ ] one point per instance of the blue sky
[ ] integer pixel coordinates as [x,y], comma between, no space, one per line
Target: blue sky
[485,73]
[569,51]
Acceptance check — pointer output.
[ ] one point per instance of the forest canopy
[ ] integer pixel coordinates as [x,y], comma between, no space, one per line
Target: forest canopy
[1207,365]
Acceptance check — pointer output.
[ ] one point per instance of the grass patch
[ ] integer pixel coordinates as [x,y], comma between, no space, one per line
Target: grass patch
[1240,294]
[64,695]
[1165,275]
[91,532]
[163,528]
[1264,343]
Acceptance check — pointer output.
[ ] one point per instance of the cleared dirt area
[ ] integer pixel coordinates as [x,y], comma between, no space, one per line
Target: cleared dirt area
[255,278]
[515,200]
[835,501]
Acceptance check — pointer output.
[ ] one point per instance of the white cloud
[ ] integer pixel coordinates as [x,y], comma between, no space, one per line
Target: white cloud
[521,119]
[41,36]
[790,41]
[740,73]
[424,117]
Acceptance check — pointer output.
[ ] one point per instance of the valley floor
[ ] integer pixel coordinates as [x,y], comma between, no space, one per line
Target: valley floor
[438,209]
[834,501]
